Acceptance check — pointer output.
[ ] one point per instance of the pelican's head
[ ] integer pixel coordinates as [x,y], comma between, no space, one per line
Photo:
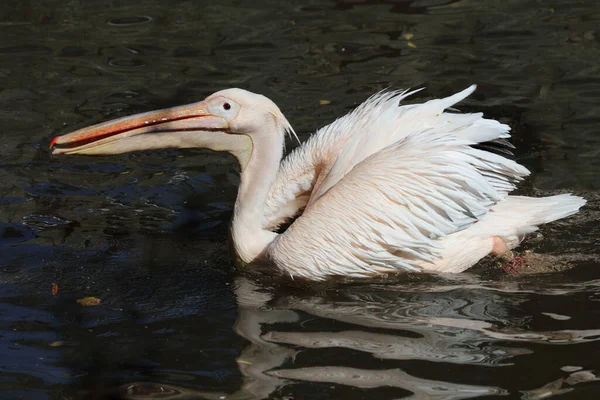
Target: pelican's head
[227,120]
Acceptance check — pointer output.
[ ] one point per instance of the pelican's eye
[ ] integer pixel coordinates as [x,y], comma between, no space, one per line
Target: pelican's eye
[226,106]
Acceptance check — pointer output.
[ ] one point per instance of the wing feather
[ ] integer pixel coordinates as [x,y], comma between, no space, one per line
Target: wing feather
[308,165]
[327,157]
[387,213]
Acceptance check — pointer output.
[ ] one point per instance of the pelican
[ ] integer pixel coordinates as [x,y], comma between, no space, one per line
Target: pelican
[383,189]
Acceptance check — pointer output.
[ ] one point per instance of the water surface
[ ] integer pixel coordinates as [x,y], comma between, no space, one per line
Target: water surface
[147,233]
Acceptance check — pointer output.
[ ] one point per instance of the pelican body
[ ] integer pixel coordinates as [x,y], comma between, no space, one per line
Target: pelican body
[383,189]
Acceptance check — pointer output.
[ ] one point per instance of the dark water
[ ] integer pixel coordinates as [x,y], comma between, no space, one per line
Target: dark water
[147,233]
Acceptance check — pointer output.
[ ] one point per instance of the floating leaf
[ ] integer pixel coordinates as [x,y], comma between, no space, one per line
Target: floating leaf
[58,343]
[407,36]
[412,45]
[54,289]
[89,301]
[324,102]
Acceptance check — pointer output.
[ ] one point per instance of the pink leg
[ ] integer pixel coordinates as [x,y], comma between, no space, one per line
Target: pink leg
[499,247]
[513,263]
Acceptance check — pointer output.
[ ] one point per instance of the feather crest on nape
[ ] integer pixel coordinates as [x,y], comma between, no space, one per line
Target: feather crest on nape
[289,130]
[282,121]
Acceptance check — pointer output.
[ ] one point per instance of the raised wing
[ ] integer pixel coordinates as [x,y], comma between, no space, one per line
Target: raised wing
[388,211]
[327,156]
[307,166]
[380,122]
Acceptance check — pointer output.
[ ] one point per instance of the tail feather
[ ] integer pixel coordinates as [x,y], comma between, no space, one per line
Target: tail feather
[518,216]
[541,210]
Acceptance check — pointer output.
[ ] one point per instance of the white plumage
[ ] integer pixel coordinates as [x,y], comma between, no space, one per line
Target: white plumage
[385,188]
[390,187]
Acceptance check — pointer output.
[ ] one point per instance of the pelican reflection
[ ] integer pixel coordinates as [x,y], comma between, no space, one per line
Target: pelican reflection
[441,324]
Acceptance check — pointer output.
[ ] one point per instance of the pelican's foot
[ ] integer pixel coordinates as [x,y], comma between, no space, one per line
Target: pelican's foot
[528,262]
[513,264]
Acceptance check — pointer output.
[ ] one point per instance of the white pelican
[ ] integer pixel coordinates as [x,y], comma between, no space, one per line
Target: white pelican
[385,188]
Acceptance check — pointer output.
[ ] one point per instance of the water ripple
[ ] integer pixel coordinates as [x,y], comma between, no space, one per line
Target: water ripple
[130,20]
